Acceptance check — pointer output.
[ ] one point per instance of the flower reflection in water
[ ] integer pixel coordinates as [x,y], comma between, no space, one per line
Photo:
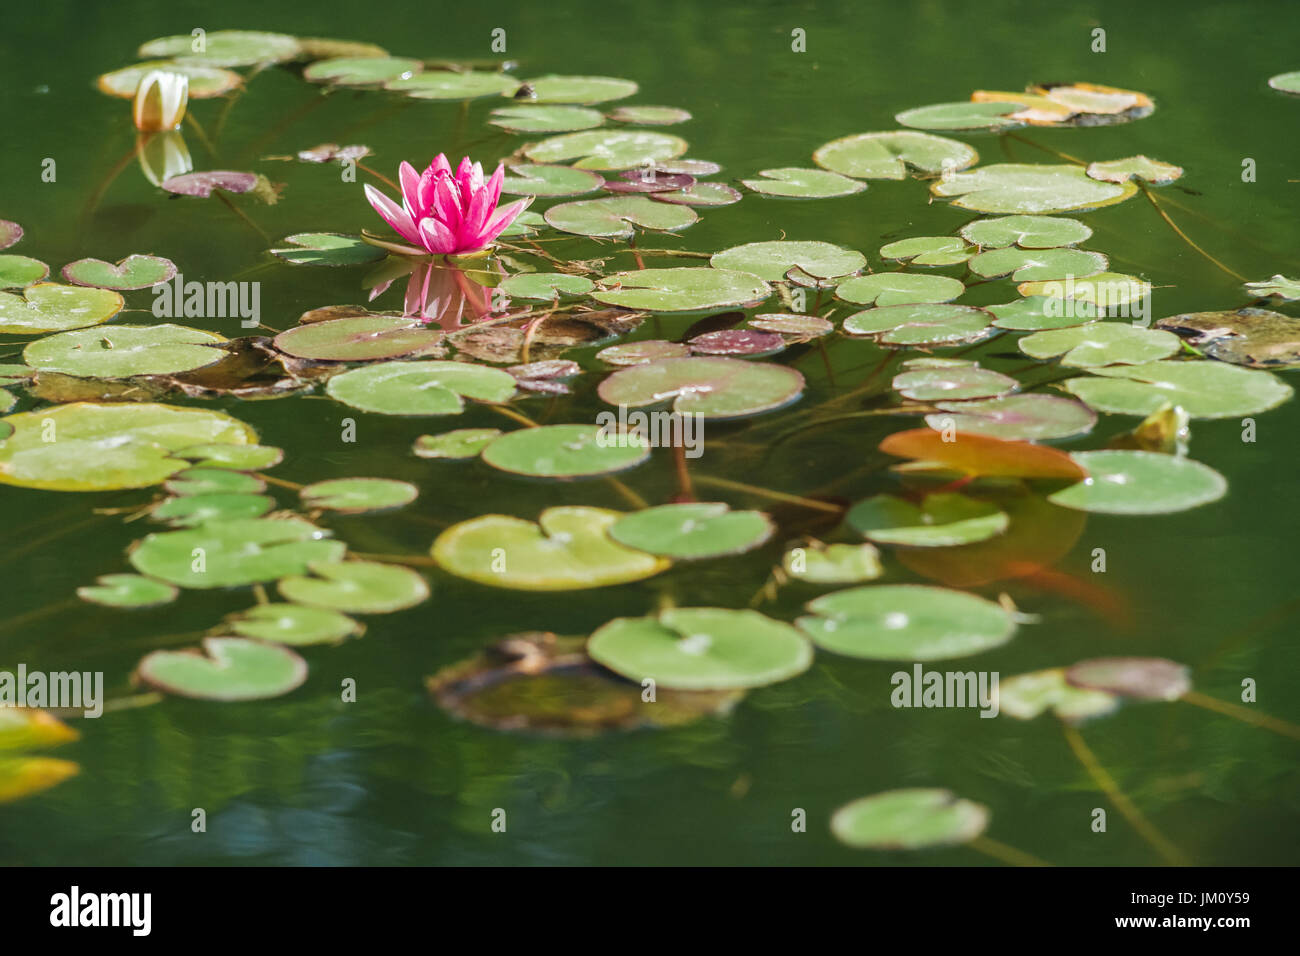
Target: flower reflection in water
[438,292]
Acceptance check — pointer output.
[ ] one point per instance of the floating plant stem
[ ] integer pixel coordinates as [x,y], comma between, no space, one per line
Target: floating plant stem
[1155,204]
[380,176]
[1003,853]
[768,493]
[1047,149]
[414,560]
[1106,783]
[511,413]
[630,496]
[1244,714]
[241,214]
[281,483]
[685,490]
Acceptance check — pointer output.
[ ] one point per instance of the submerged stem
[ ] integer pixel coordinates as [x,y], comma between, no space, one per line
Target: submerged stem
[1151,197]
[768,493]
[1003,853]
[1244,714]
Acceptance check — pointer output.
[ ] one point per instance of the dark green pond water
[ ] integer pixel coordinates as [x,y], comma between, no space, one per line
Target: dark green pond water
[391,778]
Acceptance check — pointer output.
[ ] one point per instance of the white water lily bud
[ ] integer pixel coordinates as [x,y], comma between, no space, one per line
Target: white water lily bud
[160,100]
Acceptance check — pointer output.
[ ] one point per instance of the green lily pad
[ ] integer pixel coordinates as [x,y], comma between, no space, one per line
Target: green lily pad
[566,451]
[50,307]
[357,495]
[692,531]
[702,648]
[120,351]
[602,149]
[1140,483]
[189,511]
[419,388]
[772,260]
[943,519]
[128,590]
[819,563]
[953,383]
[700,194]
[107,446]
[1143,678]
[328,249]
[928,250]
[615,217]
[293,624]
[525,224]
[1101,343]
[889,155]
[204,81]
[226,48]
[361,70]
[1104,290]
[962,115]
[234,553]
[898,288]
[1027,232]
[360,338]
[1279,286]
[356,587]
[1026,696]
[233,669]
[1024,265]
[1286,82]
[18,272]
[545,286]
[717,388]
[639,353]
[1256,338]
[133,272]
[530,179]
[906,622]
[1022,188]
[580,89]
[924,324]
[545,119]
[683,289]
[1135,167]
[214,481]
[567,549]
[458,444]
[799,327]
[1040,312]
[796,183]
[1016,417]
[649,115]
[913,819]
[1202,389]
[238,457]
[453,85]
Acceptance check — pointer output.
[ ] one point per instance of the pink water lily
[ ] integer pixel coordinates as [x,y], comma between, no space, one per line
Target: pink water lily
[445,213]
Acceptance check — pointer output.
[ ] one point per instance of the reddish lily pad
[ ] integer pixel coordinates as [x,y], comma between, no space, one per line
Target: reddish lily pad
[981,455]
[737,342]
[1143,678]
[10,233]
[796,326]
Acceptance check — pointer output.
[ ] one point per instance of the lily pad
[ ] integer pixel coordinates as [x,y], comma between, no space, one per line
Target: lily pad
[566,451]
[545,286]
[921,325]
[1203,389]
[238,457]
[530,179]
[702,648]
[906,622]
[692,531]
[1024,188]
[545,119]
[772,260]
[214,481]
[234,553]
[737,342]
[1026,696]
[1104,290]
[567,549]
[700,194]
[953,384]
[293,624]
[204,81]
[639,181]
[226,48]
[793,182]
[201,184]
[10,233]
[649,115]
[188,511]
[898,288]
[616,217]
[1257,338]
[361,70]
[683,289]
[454,85]
[796,326]
[361,338]
[717,388]
[133,272]
[639,353]
[1279,286]
[1140,483]
[1024,265]
[50,307]
[911,819]
[819,563]
[107,446]
[580,89]
[1101,343]
[128,590]
[1017,417]
[1286,82]
[120,351]
[962,115]
[457,444]
[928,250]
[18,272]
[1143,678]
[981,455]
[358,495]
[228,669]
[607,149]
[356,587]
[1041,312]
[419,388]
[327,249]
[1027,232]
[943,519]
[889,155]
[1135,167]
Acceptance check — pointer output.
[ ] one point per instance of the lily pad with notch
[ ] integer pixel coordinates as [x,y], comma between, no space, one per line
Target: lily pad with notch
[226,48]
[928,250]
[128,591]
[790,182]
[682,289]
[953,384]
[1203,389]
[921,325]
[941,520]
[980,455]
[961,115]
[1026,696]
[819,563]
[693,531]
[584,90]
[1027,232]
[361,70]
[1142,168]
[454,85]
[545,119]
[604,149]
[122,351]
[293,624]
[227,669]
[741,343]
[1023,188]
[546,286]
[51,307]
[356,587]
[772,260]
[134,272]
[458,444]
[615,217]
[1029,417]
[566,451]
[889,155]
[18,272]
[327,249]
[238,457]
[1124,482]
[214,481]
[419,388]
[700,194]
[358,495]
[1024,265]
[1040,312]
[362,338]
[911,819]
[794,326]
[535,179]
[639,353]
[717,388]
[205,81]
[898,288]
[1101,343]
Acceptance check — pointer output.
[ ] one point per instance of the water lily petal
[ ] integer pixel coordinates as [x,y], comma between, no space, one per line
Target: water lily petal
[393,214]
